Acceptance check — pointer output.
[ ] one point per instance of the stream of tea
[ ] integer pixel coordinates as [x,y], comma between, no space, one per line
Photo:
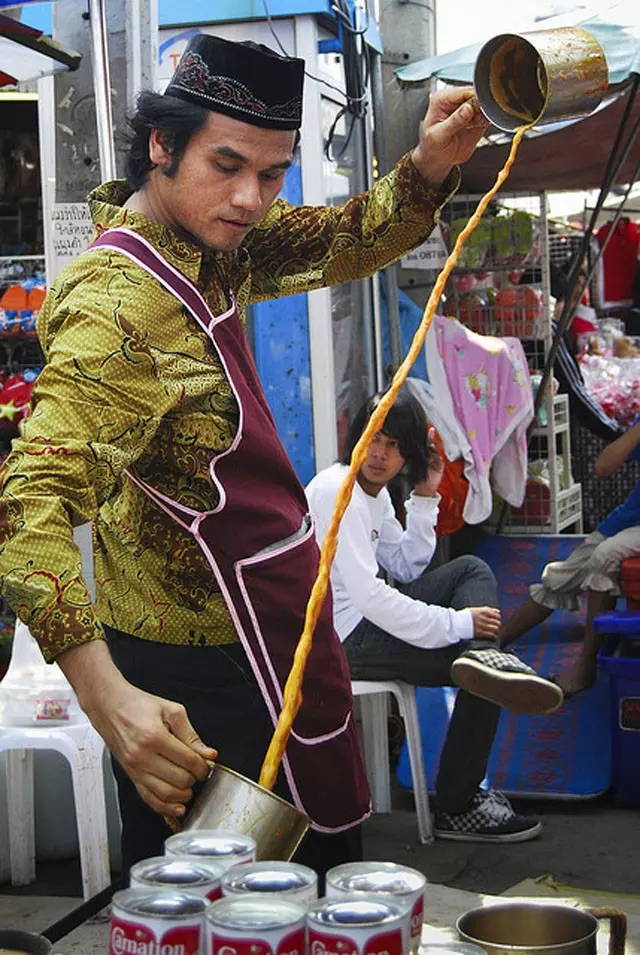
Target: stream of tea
[293,687]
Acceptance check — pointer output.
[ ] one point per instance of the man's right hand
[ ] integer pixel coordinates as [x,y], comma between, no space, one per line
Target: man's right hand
[151,738]
[486,621]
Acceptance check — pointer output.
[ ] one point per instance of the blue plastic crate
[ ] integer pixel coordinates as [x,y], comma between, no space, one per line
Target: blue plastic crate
[620,658]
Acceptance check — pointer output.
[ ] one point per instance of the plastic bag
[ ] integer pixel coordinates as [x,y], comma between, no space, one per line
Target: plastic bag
[33,692]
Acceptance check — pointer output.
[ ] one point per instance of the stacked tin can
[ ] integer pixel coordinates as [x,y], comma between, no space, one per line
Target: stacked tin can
[226,848]
[404,885]
[208,895]
[156,922]
[182,873]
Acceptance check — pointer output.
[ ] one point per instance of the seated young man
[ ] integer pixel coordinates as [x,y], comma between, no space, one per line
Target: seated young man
[593,568]
[437,628]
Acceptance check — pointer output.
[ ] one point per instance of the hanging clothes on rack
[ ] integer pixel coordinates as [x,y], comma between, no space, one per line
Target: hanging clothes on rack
[484,391]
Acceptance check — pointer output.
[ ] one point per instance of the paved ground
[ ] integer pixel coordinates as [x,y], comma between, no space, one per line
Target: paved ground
[592,844]
[589,844]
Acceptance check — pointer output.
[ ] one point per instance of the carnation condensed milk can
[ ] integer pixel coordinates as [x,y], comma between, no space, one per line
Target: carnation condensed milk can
[284,879]
[404,884]
[357,925]
[160,922]
[187,874]
[255,925]
[226,848]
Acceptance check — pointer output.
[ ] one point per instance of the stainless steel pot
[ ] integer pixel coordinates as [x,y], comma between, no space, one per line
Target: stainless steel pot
[234,803]
[540,77]
[25,942]
[540,928]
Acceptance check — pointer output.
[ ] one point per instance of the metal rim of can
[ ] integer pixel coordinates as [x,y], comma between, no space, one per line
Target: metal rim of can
[210,842]
[356,912]
[254,877]
[364,873]
[255,912]
[158,903]
[194,871]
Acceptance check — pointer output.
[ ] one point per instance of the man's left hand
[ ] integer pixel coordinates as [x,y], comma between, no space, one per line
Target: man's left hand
[450,132]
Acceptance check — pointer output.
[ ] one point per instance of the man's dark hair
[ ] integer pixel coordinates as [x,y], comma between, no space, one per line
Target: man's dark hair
[176,119]
[407,423]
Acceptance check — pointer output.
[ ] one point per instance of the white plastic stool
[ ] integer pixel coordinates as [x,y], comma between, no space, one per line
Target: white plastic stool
[375,738]
[83,749]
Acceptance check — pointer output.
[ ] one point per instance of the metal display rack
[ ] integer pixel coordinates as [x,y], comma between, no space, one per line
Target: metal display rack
[487,294]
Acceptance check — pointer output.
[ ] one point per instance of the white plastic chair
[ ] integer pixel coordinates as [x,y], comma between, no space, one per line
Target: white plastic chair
[76,740]
[375,739]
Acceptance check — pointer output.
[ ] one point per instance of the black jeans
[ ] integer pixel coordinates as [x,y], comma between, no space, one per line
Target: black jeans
[224,704]
[374,654]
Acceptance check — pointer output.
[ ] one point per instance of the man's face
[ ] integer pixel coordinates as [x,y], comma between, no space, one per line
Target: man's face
[382,463]
[227,178]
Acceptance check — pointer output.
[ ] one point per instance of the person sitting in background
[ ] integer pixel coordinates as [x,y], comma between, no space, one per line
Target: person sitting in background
[593,568]
[437,628]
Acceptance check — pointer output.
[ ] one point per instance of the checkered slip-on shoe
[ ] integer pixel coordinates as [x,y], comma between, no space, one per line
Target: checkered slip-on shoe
[490,818]
[503,678]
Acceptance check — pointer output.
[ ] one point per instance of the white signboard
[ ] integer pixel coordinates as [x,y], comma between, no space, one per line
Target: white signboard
[72,228]
[432,254]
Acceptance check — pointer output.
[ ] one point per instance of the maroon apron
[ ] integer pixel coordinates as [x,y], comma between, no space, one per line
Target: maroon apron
[259,541]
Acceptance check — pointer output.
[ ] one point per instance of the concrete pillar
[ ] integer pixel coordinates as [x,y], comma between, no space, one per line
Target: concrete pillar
[407,29]
[132,38]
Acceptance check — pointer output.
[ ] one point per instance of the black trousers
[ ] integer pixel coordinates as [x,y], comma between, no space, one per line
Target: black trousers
[224,704]
[374,654]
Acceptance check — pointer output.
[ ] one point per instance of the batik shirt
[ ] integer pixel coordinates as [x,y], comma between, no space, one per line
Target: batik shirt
[131,381]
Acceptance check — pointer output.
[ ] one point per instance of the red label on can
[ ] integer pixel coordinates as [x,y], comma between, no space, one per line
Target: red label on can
[134,938]
[215,893]
[417,917]
[292,944]
[387,943]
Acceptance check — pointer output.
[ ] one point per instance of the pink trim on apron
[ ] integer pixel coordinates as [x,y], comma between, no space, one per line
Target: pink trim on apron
[260,544]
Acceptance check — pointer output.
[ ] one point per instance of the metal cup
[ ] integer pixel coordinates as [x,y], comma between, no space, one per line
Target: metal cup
[540,928]
[234,803]
[25,942]
[540,77]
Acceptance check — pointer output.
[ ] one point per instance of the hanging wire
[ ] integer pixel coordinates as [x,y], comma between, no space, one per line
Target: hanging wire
[357,66]
[316,79]
[356,59]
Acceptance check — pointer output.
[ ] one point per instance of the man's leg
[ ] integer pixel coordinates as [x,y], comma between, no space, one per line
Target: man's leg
[527,616]
[464,582]
[216,686]
[602,580]
[376,655]
[582,675]
[484,669]
[224,703]
[463,811]
[561,583]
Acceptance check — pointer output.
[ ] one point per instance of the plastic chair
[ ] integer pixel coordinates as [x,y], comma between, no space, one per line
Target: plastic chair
[375,738]
[83,749]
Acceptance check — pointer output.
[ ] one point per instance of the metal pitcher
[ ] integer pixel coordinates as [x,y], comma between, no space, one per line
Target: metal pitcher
[540,928]
[234,803]
[27,942]
[540,77]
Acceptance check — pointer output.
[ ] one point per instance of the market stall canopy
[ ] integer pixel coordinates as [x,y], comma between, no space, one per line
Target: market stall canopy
[27,54]
[567,155]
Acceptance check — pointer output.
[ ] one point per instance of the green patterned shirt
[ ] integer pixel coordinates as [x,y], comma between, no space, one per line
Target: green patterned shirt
[131,380]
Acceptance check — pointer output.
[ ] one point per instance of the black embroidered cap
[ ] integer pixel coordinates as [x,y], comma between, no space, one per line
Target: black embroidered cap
[247,81]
